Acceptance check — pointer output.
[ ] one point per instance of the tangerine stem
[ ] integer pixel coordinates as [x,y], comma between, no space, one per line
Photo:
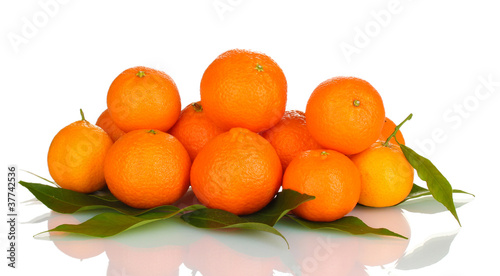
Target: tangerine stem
[152,131]
[140,74]
[83,116]
[259,68]
[396,130]
[325,153]
[356,103]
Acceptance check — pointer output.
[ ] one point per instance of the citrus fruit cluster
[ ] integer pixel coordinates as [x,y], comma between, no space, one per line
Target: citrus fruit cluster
[238,145]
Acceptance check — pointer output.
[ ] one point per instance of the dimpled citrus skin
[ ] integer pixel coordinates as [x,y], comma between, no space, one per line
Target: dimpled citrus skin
[106,123]
[145,169]
[329,176]
[245,89]
[194,129]
[334,120]
[147,100]
[386,175]
[237,171]
[388,129]
[290,136]
[76,157]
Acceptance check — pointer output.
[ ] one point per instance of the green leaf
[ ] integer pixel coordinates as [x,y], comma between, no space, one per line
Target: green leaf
[438,185]
[349,224]
[418,191]
[109,224]
[43,178]
[104,195]
[263,220]
[219,219]
[284,202]
[67,201]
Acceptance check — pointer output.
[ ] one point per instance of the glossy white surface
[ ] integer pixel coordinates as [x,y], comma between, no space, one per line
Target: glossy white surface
[172,247]
[438,60]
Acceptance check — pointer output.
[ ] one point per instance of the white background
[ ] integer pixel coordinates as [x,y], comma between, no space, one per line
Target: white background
[424,57]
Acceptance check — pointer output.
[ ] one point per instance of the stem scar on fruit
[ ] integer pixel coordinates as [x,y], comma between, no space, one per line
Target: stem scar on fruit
[197,107]
[141,74]
[259,68]
[152,131]
[386,144]
[324,155]
[356,103]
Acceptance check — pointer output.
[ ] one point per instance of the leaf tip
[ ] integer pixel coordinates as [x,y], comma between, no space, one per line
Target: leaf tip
[43,232]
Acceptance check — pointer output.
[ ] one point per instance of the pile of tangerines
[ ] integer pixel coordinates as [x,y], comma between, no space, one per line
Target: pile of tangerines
[237,146]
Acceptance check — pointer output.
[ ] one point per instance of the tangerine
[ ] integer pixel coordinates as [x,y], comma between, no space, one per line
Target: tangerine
[194,129]
[329,176]
[386,175]
[147,168]
[237,171]
[290,136]
[143,98]
[345,114]
[388,129]
[76,156]
[106,123]
[246,89]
